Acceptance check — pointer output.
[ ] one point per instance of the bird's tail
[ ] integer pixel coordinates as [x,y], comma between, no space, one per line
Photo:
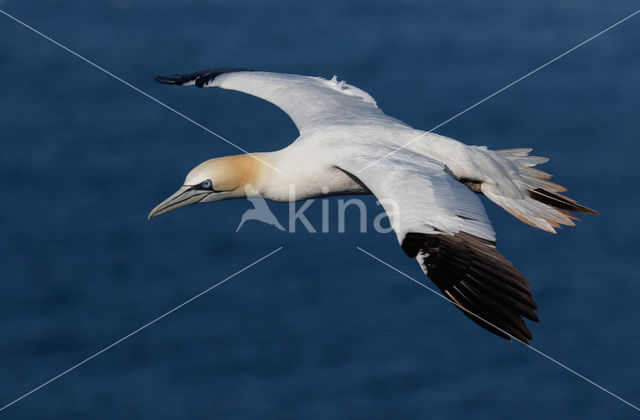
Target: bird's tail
[542,205]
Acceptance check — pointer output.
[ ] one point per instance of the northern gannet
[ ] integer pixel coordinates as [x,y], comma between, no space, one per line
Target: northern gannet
[425,182]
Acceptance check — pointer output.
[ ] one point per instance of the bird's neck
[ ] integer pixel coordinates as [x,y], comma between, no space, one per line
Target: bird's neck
[245,174]
[269,174]
[286,176]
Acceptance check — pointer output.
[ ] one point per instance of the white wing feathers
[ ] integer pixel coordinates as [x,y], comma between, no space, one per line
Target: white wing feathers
[443,225]
[311,102]
[419,196]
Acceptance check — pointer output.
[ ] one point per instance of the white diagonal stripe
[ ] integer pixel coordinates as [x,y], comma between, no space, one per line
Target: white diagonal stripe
[115,343]
[500,329]
[135,88]
[504,88]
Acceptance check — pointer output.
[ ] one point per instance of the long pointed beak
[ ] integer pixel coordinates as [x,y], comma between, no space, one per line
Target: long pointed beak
[183,197]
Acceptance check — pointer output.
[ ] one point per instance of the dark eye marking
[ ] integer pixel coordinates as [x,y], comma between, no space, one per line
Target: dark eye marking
[206,185]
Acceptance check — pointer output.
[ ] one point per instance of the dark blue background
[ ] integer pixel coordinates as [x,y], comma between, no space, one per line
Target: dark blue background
[318,330]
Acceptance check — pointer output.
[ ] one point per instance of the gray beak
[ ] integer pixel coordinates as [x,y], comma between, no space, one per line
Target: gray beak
[183,197]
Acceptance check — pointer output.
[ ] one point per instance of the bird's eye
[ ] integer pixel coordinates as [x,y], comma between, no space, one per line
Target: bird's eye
[206,185]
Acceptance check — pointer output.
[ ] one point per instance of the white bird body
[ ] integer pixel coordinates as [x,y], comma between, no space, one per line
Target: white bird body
[426,183]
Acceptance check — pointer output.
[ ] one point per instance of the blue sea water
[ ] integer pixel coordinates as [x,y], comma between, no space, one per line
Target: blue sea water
[318,330]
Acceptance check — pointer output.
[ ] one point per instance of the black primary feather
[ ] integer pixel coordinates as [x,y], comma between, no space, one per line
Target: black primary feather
[199,77]
[479,280]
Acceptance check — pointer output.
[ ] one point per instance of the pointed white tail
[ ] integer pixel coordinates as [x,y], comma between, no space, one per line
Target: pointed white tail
[541,205]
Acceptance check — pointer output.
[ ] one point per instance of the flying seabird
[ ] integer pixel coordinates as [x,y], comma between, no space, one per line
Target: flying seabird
[427,183]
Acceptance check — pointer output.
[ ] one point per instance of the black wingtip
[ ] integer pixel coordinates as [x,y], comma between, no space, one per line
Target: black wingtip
[199,78]
[167,80]
[476,278]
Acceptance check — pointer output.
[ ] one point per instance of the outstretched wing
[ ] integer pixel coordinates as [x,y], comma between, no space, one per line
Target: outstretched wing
[443,225]
[311,102]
